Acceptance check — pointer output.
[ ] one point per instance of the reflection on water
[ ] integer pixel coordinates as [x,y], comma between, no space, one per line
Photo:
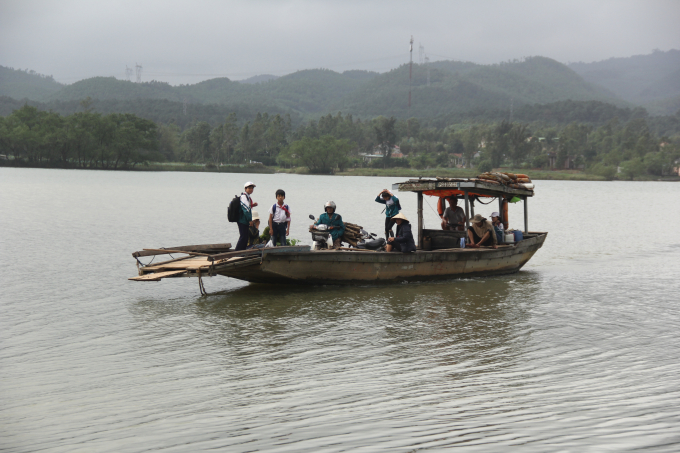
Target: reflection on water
[576,352]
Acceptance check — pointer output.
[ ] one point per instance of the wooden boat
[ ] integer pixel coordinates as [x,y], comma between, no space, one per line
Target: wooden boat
[444,258]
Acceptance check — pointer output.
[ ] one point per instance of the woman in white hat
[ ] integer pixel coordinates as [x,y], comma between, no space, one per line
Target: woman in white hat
[245,221]
[403,241]
[497,226]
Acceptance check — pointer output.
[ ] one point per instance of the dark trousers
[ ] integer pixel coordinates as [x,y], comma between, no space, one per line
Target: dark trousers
[243,236]
[279,233]
[489,240]
[389,223]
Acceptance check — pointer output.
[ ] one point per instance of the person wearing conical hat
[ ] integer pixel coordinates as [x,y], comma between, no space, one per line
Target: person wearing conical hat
[254,230]
[403,240]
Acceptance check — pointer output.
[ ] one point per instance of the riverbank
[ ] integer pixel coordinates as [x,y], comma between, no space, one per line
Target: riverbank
[155,166]
[537,175]
[568,175]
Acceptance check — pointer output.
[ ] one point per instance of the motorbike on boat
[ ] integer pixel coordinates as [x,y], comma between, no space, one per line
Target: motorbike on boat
[323,241]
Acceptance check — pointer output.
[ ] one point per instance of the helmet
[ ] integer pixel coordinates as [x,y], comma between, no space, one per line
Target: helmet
[329,204]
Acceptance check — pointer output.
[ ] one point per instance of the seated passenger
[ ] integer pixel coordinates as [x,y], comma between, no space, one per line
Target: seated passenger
[403,241]
[498,226]
[481,233]
[254,231]
[334,221]
[453,218]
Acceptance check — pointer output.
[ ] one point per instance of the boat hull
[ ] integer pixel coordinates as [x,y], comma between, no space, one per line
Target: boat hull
[346,268]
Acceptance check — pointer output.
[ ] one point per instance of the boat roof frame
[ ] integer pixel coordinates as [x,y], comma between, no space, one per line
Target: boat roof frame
[472,186]
[468,188]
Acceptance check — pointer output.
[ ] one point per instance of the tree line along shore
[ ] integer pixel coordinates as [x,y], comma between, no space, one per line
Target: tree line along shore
[635,147]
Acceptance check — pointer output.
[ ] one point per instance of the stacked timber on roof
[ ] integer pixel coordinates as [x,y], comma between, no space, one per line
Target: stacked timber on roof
[479,186]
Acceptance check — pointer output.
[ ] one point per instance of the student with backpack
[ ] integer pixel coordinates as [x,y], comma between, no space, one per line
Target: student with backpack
[392,208]
[279,219]
[245,214]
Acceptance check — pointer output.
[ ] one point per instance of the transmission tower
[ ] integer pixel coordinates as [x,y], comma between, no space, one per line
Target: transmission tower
[410,75]
[184,107]
[138,72]
[128,73]
[427,65]
[421,54]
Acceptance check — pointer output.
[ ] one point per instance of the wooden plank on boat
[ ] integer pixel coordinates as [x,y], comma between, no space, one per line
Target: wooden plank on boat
[166,251]
[190,248]
[356,250]
[157,276]
[239,263]
[266,251]
[189,264]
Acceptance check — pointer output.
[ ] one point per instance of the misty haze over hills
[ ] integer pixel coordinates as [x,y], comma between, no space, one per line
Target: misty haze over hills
[439,90]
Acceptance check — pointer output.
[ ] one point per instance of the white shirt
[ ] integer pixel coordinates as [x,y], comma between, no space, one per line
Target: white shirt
[280,215]
[246,201]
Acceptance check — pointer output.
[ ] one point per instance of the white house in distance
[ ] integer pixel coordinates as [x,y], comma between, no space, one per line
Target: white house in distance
[378,154]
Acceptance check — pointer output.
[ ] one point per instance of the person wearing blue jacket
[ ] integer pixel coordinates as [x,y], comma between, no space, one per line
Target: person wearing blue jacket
[334,221]
[392,208]
[403,241]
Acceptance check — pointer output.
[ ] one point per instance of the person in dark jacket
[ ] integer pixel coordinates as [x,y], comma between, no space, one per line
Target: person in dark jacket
[403,241]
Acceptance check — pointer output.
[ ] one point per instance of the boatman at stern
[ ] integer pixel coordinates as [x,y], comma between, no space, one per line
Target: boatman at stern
[453,218]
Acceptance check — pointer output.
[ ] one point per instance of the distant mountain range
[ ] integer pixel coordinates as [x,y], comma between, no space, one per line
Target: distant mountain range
[651,81]
[439,90]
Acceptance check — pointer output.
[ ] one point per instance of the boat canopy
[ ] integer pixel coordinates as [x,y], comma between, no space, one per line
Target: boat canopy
[446,187]
[468,189]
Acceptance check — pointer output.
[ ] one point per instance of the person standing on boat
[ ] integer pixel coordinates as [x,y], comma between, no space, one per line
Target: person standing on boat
[334,221]
[279,219]
[453,218]
[245,221]
[392,208]
[403,241]
[498,226]
[481,233]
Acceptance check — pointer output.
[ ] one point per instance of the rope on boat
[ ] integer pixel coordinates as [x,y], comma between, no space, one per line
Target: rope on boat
[490,201]
[200,283]
[144,265]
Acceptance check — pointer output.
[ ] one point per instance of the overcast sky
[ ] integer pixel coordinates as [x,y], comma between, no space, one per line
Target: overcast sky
[189,41]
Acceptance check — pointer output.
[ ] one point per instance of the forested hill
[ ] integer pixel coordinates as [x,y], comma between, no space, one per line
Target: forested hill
[650,80]
[452,88]
[457,88]
[27,84]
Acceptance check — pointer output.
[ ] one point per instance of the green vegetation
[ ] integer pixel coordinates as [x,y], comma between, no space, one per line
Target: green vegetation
[27,84]
[82,140]
[340,144]
[536,115]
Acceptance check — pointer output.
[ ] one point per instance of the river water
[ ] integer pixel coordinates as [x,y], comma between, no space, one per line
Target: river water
[580,351]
